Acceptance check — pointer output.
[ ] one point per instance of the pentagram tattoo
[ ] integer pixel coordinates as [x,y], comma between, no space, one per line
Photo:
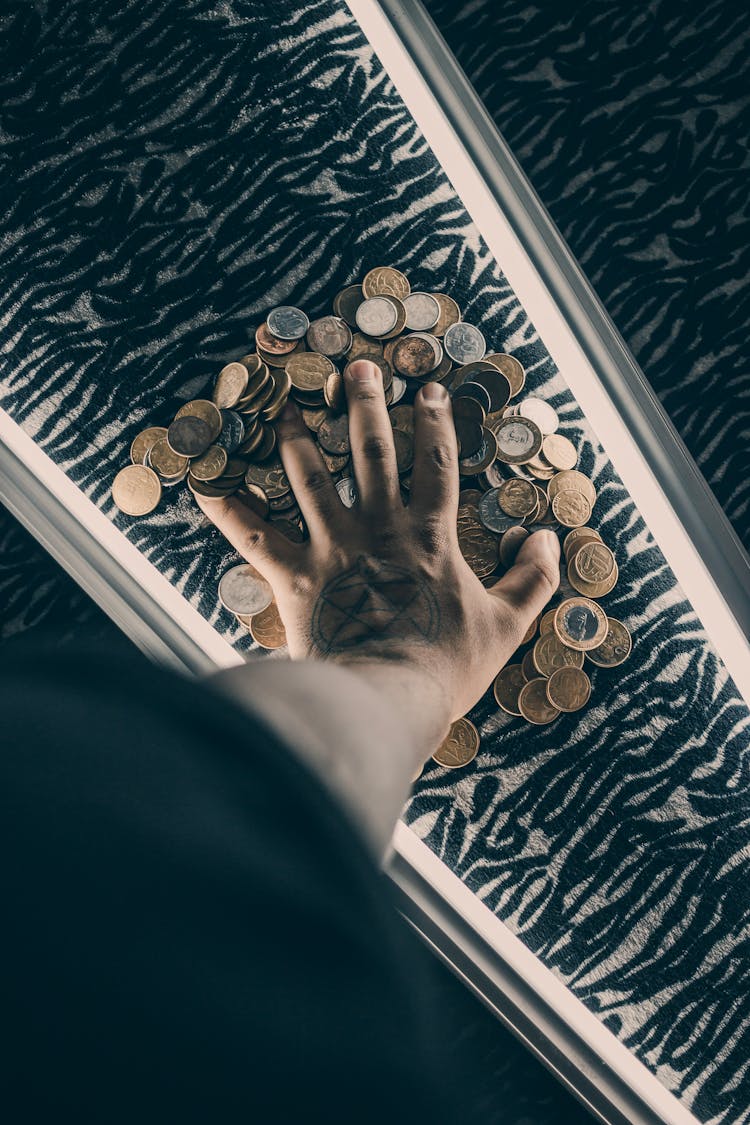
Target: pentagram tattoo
[374,601]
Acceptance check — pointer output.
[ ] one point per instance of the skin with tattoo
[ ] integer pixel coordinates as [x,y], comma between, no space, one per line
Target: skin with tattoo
[382,588]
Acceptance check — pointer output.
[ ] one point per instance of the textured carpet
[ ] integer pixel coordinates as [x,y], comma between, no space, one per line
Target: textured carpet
[165,181]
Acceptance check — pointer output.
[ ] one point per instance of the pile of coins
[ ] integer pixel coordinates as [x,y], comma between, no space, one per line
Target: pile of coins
[518,472]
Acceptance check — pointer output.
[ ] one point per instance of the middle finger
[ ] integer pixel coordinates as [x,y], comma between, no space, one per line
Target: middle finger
[371,439]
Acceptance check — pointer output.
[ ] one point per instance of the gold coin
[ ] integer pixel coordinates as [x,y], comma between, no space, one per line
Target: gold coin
[308,371]
[333,434]
[615,648]
[549,654]
[593,562]
[267,628]
[569,689]
[534,704]
[362,345]
[571,508]
[346,303]
[545,625]
[507,688]
[402,418]
[460,746]
[165,461]
[511,369]
[144,442]
[511,544]
[281,360]
[580,623]
[252,362]
[271,477]
[211,465]
[268,443]
[335,392]
[214,489]
[517,497]
[528,667]
[592,589]
[544,515]
[478,547]
[560,452]
[572,479]
[314,417]
[282,385]
[136,490]
[580,534]
[207,411]
[385,281]
[230,385]
[450,313]
[253,441]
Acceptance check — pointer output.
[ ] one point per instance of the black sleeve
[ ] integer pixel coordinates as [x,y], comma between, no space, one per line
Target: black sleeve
[192,930]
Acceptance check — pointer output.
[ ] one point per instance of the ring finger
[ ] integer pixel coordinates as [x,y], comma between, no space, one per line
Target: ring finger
[371,438]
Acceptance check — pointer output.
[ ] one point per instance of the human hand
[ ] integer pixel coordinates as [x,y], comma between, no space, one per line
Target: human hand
[381,580]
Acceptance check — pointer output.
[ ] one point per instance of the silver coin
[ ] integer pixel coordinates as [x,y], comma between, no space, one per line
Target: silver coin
[347,490]
[399,389]
[189,436]
[376,316]
[437,347]
[491,514]
[232,431]
[464,343]
[287,322]
[330,336]
[422,312]
[243,590]
[539,411]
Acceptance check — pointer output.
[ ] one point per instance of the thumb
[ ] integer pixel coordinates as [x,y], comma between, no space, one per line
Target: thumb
[532,580]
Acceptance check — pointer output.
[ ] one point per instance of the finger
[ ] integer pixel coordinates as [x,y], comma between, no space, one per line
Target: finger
[434,477]
[270,552]
[371,438]
[530,583]
[308,474]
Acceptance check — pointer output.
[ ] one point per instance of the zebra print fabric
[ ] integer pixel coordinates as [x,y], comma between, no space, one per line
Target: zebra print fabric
[170,174]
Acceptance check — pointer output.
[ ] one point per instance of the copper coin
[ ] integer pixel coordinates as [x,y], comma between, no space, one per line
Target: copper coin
[189,436]
[144,442]
[413,357]
[266,340]
[329,335]
[459,747]
[592,589]
[267,628]
[528,668]
[308,371]
[572,480]
[580,533]
[511,544]
[333,434]
[594,562]
[478,547]
[207,411]
[568,689]
[507,688]
[545,625]
[534,704]
[580,623]
[615,648]
[404,446]
[402,417]
[271,477]
[549,654]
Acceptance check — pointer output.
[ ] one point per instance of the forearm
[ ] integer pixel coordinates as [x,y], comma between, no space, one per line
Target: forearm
[365,727]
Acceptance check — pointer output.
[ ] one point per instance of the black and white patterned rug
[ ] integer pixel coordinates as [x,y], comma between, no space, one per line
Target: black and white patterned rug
[170,173]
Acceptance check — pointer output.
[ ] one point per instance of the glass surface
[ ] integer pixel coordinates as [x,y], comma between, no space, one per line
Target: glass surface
[175,190]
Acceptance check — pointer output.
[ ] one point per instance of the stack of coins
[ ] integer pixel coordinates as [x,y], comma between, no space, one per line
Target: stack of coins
[518,473]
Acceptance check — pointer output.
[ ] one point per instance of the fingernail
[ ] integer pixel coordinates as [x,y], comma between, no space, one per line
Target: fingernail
[434,391]
[290,411]
[362,370]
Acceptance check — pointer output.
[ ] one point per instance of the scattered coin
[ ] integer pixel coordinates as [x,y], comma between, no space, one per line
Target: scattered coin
[230,386]
[511,543]
[568,689]
[614,649]
[272,345]
[346,303]
[580,623]
[572,479]
[511,368]
[413,357]
[206,411]
[450,313]
[422,312]
[460,746]
[243,590]
[136,490]
[165,462]
[464,343]
[518,439]
[347,490]
[539,411]
[549,654]
[287,322]
[385,281]
[144,442]
[571,508]
[559,451]
[517,497]
[330,336]
[491,514]
[476,544]
[189,436]
[267,628]
[377,316]
[308,371]
[534,704]
[507,687]
[211,465]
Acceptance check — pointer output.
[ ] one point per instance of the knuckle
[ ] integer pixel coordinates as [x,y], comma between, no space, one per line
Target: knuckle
[366,394]
[254,539]
[441,454]
[376,447]
[317,480]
